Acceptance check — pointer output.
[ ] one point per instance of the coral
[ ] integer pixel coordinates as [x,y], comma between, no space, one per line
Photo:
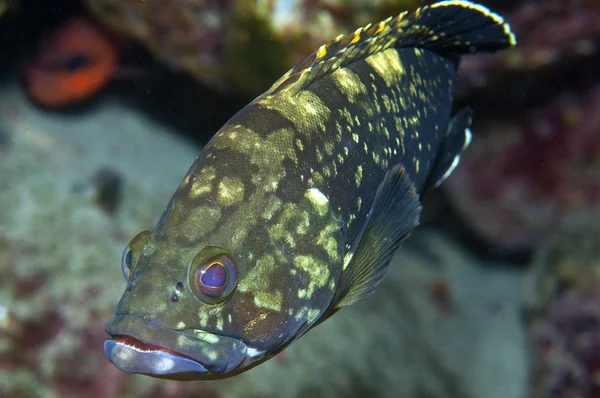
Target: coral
[238,44]
[562,306]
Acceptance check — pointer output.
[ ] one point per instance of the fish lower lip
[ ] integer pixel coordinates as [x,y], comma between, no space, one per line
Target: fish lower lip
[157,362]
[141,346]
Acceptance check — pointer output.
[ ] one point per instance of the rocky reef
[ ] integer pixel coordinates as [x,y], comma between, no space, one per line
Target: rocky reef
[238,45]
[562,307]
[530,180]
[7,6]
[534,156]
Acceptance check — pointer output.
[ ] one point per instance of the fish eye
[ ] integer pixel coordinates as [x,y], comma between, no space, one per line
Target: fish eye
[126,262]
[213,274]
[132,253]
[76,62]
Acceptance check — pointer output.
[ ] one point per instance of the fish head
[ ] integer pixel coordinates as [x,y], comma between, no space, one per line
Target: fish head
[231,275]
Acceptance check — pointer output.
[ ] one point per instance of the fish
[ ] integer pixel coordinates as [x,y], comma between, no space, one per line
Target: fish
[76,62]
[295,207]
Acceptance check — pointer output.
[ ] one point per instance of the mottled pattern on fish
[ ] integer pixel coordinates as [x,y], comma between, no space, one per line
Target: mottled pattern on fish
[307,191]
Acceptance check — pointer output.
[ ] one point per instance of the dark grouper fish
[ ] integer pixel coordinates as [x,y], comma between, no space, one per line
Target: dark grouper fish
[296,206]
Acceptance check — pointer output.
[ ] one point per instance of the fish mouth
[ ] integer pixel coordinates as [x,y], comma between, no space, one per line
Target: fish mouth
[141,346]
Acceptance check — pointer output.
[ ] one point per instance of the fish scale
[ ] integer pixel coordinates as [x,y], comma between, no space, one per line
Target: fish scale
[300,200]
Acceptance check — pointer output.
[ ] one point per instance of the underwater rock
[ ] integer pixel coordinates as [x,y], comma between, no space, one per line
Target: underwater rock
[525,174]
[108,189]
[7,6]
[562,306]
[535,153]
[238,45]
[554,37]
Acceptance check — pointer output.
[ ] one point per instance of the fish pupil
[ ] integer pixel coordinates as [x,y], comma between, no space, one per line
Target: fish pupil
[214,276]
[128,259]
[76,62]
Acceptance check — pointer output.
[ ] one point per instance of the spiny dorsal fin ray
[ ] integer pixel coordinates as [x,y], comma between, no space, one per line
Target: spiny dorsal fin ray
[457,27]
[453,27]
[395,212]
[340,52]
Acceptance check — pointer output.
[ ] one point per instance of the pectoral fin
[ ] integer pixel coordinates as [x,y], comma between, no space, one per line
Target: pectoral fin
[458,138]
[395,212]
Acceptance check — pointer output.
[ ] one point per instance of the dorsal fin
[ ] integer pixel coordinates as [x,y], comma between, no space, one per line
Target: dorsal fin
[449,27]
[340,52]
[395,212]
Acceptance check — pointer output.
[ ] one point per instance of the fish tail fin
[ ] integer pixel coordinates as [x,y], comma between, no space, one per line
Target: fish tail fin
[456,27]
[458,138]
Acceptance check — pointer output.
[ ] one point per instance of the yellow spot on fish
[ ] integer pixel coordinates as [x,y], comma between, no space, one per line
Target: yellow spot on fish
[316,269]
[206,216]
[270,207]
[356,37]
[347,259]
[202,318]
[212,355]
[303,223]
[301,314]
[375,157]
[388,66]
[291,105]
[250,325]
[312,315]
[310,109]
[270,300]
[327,240]
[321,52]
[231,191]
[349,84]
[358,175]
[201,182]
[257,282]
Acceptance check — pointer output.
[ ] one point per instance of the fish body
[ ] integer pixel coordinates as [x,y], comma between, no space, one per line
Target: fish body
[296,206]
[76,62]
